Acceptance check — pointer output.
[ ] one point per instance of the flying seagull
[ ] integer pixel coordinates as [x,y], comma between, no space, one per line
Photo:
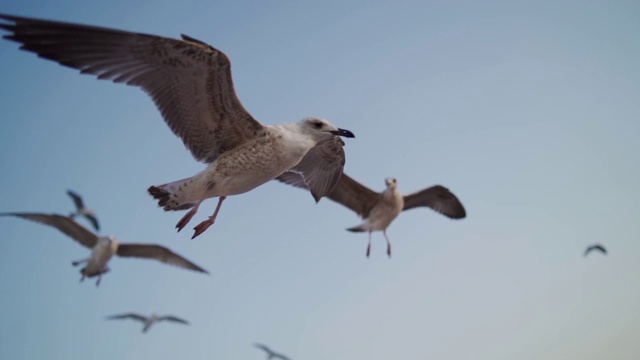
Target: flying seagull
[595,247]
[148,321]
[379,209]
[270,353]
[104,247]
[81,210]
[190,82]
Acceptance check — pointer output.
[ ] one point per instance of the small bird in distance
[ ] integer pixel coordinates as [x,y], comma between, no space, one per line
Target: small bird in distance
[82,210]
[595,247]
[148,320]
[270,353]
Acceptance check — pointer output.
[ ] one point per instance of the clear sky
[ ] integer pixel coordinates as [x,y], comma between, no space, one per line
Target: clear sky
[528,111]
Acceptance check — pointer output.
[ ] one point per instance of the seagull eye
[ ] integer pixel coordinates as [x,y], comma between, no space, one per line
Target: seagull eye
[317,125]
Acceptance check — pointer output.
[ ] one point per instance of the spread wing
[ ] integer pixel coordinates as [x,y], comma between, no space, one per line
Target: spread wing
[595,247]
[438,198]
[77,200]
[174,319]
[64,224]
[320,169]
[270,353]
[189,81]
[93,220]
[127,316]
[347,192]
[157,252]
[355,196]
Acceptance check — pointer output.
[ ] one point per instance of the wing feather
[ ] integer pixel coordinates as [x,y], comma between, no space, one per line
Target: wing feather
[157,252]
[320,169]
[64,224]
[189,81]
[438,198]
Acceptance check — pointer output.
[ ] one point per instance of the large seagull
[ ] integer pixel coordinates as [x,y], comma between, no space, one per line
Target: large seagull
[190,83]
[104,247]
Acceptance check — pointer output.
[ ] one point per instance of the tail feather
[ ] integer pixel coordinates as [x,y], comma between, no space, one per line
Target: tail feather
[168,195]
[358,228]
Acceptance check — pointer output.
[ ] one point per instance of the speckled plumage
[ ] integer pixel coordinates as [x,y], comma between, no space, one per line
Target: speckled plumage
[191,84]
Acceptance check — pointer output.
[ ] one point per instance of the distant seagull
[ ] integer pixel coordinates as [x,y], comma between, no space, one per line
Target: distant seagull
[595,247]
[104,247]
[148,321]
[190,83]
[379,209]
[81,210]
[270,353]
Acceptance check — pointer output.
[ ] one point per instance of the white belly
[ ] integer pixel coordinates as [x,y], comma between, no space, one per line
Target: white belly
[100,256]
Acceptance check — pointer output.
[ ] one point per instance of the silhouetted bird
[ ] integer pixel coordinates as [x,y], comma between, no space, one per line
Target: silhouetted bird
[595,247]
[81,210]
[148,321]
[379,209]
[270,353]
[104,247]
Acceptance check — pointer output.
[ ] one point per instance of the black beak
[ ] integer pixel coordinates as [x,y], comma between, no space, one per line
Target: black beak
[343,132]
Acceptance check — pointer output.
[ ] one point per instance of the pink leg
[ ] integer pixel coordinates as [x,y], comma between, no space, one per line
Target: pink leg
[185,219]
[200,228]
[100,276]
[388,243]
[369,246]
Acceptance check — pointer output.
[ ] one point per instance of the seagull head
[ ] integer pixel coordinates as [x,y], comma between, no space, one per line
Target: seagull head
[320,127]
[391,182]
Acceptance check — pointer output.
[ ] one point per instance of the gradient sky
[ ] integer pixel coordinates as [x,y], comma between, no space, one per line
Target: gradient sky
[528,112]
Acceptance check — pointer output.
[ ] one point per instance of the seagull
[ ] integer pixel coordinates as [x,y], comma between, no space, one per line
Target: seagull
[379,209]
[270,353]
[190,83]
[104,247]
[81,210]
[148,321]
[595,247]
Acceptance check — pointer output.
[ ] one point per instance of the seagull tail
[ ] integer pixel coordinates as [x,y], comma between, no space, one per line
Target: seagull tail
[168,195]
[359,228]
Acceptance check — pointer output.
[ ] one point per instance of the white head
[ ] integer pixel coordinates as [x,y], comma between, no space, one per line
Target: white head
[391,182]
[319,128]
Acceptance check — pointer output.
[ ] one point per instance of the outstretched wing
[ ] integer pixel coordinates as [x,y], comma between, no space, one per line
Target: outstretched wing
[347,192]
[157,252]
[77,200]
[127,316]
[174,319]
[438,198]
[64,224]
[320,169]
[93,220]
[597,247]
[189,81]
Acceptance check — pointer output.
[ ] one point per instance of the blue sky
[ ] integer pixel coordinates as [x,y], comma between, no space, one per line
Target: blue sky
[528,112]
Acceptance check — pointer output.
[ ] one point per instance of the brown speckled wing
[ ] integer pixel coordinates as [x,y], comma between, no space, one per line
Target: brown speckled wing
[320,169]
[189,81]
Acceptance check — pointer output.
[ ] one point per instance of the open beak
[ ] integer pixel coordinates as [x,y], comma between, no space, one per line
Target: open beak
[343,132]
